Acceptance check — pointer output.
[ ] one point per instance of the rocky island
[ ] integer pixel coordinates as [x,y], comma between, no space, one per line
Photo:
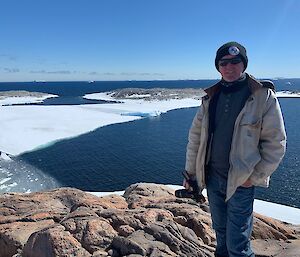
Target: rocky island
[148,220]
[158,94]
[20,93]
[22,97]
[161,94]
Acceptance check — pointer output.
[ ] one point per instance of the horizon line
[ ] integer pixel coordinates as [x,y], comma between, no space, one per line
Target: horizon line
[130,80]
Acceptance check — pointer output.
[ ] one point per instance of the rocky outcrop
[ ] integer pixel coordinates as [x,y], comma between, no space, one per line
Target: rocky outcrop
[146,221]
[160,94]
[21,93]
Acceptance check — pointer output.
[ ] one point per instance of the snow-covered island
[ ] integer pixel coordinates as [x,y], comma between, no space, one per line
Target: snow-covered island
[161,94]
[150,94]
[23,97]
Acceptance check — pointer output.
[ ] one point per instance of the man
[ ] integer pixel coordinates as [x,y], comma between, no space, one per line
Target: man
[236,141]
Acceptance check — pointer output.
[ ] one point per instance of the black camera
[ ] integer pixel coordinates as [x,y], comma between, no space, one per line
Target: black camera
[194,194]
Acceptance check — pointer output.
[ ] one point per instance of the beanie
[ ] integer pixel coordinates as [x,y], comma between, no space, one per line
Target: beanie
[232,48]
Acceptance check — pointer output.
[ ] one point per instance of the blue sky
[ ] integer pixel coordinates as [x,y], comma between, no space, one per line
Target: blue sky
[144,40]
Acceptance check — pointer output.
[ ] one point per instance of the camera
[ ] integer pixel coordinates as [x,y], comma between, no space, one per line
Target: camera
[194,194]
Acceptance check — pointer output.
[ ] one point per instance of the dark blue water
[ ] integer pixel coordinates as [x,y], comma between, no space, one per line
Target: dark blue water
[115,156]
[285,182]
[152,150]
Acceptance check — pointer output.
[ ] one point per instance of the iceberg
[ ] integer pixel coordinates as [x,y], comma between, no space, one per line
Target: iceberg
[4,156]
[142,114]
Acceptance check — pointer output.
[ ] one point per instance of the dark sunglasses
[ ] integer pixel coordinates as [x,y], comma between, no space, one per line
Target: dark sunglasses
[224,62]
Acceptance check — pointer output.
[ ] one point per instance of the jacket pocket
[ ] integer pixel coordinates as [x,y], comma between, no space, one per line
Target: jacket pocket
[252,122]
[250,128]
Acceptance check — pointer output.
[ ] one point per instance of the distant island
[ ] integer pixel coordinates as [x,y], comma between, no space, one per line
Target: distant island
[151,94]
[22,97]
[160,94]
[156,93]
[20,93]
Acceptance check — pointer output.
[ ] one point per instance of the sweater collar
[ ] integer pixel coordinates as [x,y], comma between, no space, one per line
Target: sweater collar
[231,87]
[252,83]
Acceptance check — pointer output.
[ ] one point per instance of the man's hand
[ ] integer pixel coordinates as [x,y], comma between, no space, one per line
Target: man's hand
[247,183]
[186,185]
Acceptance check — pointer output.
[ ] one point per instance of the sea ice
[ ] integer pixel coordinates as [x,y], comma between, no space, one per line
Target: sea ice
[25,128]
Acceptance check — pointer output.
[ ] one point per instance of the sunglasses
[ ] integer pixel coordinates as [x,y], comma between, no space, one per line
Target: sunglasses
[224,62]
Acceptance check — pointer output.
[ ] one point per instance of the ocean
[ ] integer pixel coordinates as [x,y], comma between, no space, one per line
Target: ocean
[147,150]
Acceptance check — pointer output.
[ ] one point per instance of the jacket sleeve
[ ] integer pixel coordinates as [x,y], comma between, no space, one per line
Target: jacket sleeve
[194,142]
[272,143]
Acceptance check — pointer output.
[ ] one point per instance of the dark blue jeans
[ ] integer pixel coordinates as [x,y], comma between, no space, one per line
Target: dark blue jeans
[232,220]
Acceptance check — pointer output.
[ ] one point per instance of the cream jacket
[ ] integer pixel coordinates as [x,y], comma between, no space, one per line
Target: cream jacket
[258,142]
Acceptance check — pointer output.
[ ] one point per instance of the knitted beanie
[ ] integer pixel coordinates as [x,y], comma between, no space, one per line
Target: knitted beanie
[234,49]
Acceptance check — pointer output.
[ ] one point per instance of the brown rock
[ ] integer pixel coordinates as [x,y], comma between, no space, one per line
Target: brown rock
[118,218]
[54,241]
[202,227]
[140,243]
[141,194]
[268,228]
[181,220]
[274,227]
[125,230]
[100,253]
[151,215]
[181,240]
[98,235]
[93,232]
[30,207]
[147,221]
[13,236]
[275,248]
[113,202]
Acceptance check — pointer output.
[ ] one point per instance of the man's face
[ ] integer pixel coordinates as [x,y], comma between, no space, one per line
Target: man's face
[231,71]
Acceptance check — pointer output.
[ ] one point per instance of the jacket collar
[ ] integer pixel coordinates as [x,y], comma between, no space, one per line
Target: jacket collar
[252,83]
